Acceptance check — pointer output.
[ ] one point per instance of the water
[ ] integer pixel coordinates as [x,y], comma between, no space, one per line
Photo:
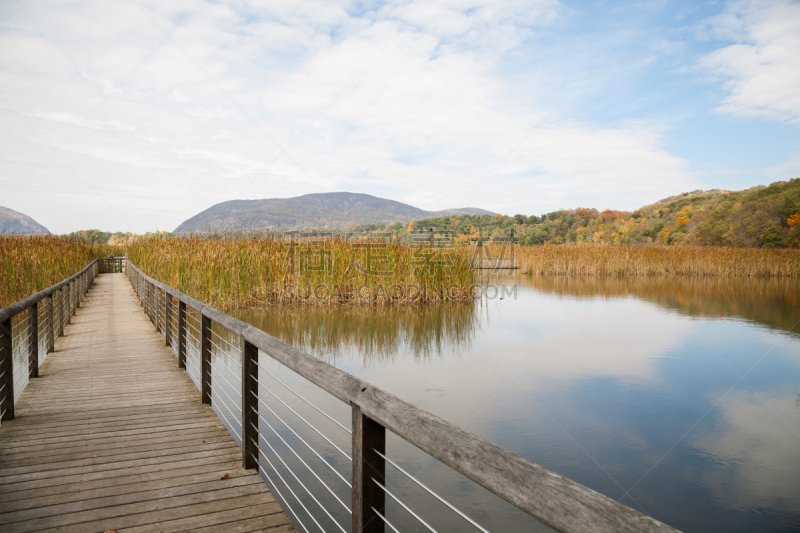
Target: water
[680,398]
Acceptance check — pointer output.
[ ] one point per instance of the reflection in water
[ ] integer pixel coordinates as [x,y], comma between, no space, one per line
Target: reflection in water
[761,451]
[683,391]
[378,334]
[771,302]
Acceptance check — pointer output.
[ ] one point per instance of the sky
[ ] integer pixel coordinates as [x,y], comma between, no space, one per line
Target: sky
[134,115]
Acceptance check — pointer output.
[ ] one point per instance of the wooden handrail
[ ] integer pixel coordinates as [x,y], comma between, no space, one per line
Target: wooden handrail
[555,500]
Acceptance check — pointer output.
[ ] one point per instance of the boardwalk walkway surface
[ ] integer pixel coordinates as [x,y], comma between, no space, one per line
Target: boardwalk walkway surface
[112,436]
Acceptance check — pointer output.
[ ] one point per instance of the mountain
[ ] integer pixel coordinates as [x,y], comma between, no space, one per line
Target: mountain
[761,216]
[15,223]
[334,210]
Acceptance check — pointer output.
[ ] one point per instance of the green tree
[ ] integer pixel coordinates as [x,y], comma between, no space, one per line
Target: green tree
[773,237]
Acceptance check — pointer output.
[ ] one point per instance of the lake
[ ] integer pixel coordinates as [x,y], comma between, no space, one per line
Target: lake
[679,397]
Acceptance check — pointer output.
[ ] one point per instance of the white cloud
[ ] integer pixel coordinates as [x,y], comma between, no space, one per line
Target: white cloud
[760,72]
[758,438]
[425,123]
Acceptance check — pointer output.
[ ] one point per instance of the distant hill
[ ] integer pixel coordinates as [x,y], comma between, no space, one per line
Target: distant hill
[335,210]
[762,216]
[15,223]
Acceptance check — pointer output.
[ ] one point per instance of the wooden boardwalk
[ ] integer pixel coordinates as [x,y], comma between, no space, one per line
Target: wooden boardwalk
[112,436]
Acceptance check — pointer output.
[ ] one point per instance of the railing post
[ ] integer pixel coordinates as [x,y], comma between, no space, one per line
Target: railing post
[77,292]
[181,334]
[69,302]
[157,299]
[59,312]
[60,323]
[205,359]
[151,301]
[33,341]
[249,405]
[51,337]
[368,436]
[6,372]
[167,319]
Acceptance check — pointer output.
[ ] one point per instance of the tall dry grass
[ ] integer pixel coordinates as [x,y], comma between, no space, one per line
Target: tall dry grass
[229,273]
[31,263]
[610,260]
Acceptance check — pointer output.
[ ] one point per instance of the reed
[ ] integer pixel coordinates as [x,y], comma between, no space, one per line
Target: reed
[614,260]
[31,263]
[377,335]
[230,273]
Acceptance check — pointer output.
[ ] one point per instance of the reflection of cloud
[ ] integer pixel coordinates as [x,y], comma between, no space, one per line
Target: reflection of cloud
[761,448]
[619,338]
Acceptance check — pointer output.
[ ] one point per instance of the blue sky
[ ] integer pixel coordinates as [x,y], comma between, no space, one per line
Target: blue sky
[133,115]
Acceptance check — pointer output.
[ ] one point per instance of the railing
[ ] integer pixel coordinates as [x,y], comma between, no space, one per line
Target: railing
[29,329]
[203,340]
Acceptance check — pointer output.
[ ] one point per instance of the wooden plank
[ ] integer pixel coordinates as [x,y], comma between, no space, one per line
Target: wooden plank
[123,482]
[109,434]
[146,488]
[108,454]
[119,460]
[142,497]
[194,514]
[144,512]
[101,414]
[55,427]
[265,517]
[89,469]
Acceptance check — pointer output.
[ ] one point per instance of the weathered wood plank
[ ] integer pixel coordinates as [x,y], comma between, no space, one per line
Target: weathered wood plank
[266,518]
[119,481]
[90,504]
[147,486]
[145,512]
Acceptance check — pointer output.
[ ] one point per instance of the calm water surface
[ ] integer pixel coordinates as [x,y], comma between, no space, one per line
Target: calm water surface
[680,398]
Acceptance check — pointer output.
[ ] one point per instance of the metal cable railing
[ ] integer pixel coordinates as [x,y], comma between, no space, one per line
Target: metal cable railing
[250,378]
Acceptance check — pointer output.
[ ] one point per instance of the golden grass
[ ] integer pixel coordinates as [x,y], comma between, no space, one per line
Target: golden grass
[229,273]
[611,260]
[31,263]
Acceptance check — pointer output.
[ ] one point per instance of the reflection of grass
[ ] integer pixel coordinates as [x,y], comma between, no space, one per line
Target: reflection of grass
[772,302]
[230,273]
[607,260]
[376,333]
[31,263]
